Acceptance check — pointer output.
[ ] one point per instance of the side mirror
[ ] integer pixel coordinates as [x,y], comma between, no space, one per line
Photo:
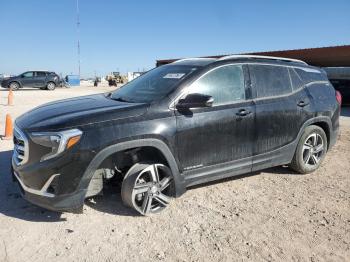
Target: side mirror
[195,101]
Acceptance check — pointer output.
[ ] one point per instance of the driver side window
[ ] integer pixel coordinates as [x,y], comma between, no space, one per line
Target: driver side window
[225,84]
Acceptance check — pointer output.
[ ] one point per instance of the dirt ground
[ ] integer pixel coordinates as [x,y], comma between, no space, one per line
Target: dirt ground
[275,215]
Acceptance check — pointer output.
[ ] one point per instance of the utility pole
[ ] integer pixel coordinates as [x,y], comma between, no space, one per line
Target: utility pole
[78,34]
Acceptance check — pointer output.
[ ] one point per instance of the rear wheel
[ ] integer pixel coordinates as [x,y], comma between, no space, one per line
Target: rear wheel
[14,86]
[147,188]
[51,86]
[311,150]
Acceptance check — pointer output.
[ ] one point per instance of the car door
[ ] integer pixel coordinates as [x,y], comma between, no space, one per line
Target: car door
[27,79]
[222,133]
[278,115]
[39,79]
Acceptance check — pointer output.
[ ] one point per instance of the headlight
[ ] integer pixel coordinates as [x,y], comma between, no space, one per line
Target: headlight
[57,141]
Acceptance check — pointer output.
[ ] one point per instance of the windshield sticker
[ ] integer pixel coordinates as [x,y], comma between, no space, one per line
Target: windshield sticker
[174,75]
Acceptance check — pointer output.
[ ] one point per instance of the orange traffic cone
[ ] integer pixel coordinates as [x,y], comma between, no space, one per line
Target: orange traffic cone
[8,128]
[10,98]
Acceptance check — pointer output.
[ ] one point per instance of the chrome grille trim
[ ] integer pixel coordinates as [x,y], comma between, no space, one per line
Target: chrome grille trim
[21,150]
[42,191]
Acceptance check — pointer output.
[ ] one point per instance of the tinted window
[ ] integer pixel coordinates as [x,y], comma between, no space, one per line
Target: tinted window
[153,85]
[224,84]
[270,80]
[28,74]
[309,75]
[296,81]
[40,74]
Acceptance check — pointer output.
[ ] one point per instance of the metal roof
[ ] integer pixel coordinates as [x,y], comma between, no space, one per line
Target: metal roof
[321,56]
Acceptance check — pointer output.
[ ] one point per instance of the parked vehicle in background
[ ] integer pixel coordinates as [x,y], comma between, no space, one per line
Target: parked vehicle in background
[340,79]
[178,125]
[40,79]
[115,78]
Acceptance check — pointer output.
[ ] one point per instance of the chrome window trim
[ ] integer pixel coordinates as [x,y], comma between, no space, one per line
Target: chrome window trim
[185,90]
[43,191]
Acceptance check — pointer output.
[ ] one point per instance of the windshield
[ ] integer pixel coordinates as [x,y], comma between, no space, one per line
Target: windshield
[153,85]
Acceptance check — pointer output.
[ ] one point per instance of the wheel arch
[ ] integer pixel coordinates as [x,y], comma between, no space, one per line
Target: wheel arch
[16,81]
[326,129]
[51,81]
[140,143]
[323,122]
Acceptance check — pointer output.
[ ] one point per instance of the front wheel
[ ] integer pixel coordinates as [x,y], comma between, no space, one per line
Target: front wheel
[51,86]
[14,86]
[311,150]
[147,188]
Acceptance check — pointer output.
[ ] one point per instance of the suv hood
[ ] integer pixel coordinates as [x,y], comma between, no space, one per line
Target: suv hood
[8,78]
[78,111]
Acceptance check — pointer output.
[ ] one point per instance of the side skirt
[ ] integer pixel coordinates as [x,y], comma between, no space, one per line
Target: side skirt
[216,172]
[277,157]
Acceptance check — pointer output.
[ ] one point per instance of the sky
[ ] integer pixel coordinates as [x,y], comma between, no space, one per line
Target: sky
[131,35]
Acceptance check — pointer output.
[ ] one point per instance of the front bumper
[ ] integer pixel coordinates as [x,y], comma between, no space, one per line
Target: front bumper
[63,203]
[40,192]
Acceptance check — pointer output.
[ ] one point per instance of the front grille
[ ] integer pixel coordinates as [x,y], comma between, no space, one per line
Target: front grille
[20,151]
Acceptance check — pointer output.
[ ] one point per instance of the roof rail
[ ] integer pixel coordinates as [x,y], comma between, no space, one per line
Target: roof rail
[193,58]
[262,57]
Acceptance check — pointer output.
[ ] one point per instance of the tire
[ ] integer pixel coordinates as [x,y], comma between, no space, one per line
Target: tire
[147,188]
[14,86]
[311,150]
[51,86]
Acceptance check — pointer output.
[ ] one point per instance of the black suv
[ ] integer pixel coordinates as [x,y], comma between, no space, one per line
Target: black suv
[41,79]
[182,124]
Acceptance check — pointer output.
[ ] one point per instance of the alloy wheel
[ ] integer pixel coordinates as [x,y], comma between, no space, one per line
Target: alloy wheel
[151,189]
[51,86]
[14,86]
[313,149]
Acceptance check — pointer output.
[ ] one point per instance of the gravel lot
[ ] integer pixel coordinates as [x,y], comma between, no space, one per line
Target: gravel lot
[275,215]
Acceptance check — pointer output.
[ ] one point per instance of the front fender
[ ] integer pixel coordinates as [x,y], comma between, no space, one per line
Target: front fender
[150,142]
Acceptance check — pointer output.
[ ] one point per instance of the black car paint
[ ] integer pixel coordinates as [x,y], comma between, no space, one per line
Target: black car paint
[35,81]
[200,145]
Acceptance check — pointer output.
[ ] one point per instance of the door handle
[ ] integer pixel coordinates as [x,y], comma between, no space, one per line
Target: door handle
[243,112]
[302,103]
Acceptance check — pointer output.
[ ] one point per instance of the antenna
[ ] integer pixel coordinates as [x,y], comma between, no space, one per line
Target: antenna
[78,34]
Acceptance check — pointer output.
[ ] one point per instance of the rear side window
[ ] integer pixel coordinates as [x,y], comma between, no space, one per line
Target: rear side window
[270,80]
[225,84]
[40,74]
[309,75]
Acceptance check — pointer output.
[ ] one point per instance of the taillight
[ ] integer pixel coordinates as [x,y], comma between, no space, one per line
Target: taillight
[338,97]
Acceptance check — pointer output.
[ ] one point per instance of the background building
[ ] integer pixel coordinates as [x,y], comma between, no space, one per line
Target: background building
[332,56]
